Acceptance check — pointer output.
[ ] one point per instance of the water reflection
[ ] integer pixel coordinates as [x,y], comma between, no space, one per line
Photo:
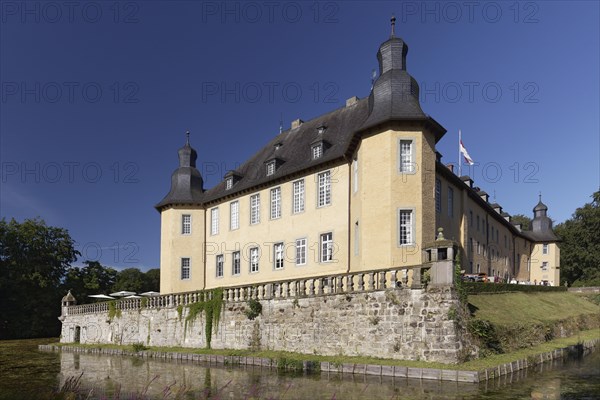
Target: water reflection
[128,375]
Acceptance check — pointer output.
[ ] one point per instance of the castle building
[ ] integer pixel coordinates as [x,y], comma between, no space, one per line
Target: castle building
[360,188]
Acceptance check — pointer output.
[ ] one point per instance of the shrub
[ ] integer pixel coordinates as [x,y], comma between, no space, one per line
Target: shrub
[254,309]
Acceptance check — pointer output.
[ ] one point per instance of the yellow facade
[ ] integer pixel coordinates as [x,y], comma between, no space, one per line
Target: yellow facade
[373,165]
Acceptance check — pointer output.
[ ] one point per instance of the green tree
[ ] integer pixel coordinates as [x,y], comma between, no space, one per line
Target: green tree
[152,280]
[580,247]
[34,258]
[130,279]
[93,278]
[524,220]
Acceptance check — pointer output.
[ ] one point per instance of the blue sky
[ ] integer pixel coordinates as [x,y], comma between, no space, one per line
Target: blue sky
[96,98]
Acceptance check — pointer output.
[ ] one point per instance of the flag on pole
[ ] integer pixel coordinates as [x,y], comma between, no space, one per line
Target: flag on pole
[465,154]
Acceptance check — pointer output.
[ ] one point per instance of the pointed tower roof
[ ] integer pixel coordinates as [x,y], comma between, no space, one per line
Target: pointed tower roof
[187,185]
[541,225]
[395,93]
[69,298]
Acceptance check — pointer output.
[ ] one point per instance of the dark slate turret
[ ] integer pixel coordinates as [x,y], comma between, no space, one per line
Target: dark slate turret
[395,94]
[187,185]
[541,225]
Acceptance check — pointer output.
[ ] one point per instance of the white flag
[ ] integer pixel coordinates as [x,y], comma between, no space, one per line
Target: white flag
[465,154]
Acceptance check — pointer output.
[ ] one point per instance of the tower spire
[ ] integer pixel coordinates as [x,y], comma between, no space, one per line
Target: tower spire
[187,138]
[393,22]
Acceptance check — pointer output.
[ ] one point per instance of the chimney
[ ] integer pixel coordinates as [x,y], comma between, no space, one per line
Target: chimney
[296,123]
[351,101]
[438,156]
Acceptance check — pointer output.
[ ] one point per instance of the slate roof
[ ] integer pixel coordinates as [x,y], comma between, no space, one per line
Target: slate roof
[295,151]
[395,97]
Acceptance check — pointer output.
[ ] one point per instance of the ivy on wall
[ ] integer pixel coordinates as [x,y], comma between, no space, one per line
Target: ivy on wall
[211,303]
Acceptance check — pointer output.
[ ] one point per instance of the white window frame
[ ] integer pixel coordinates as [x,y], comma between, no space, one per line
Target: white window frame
[276,203]
[545,248]
[186,224]
[406,227]
[438,195]
[406,163]
[228,183]
[278,256]
[324,189]
[219,265]
[326,247]
[254,258]
[301,251]
[271,168]
[236,266]
[450,202]
[214,221]
[234,215]
[186,268]
[317,151]
[298,189]
[255,209]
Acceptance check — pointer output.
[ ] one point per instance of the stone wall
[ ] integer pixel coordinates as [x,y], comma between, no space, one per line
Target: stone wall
[394,323]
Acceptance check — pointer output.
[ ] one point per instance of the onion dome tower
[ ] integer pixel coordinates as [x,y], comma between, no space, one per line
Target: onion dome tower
[187,185]
[395,94]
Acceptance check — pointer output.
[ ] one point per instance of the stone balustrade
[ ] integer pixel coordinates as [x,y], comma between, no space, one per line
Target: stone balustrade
[364,281]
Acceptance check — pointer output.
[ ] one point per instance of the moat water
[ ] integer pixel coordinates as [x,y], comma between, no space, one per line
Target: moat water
[26,373]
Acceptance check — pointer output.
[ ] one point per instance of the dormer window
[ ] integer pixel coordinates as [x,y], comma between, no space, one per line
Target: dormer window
[317,151]
[321,129]
[231,178]
[270,168]
[278,145]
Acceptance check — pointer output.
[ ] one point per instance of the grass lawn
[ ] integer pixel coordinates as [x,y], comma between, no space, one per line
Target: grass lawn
[527,308]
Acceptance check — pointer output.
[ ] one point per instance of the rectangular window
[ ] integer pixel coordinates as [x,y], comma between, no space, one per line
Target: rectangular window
[301,251]
[327,247]
[438,195]
[255,209]
[276,203]
[186,224]
[235,263]
[470,218]
[544,265]
[317,151]
[478,268]
[214,221]
[505,241]
[254,259]
[234,215]
[406,156]
[355,167]
[185,268]
[478,223]
[298,196]
[220,266]
[478,247]
[450,202]
[278,255]
[545,248]
[470,245]
[324,189]
[405,223]
[228,183]
[270,168]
